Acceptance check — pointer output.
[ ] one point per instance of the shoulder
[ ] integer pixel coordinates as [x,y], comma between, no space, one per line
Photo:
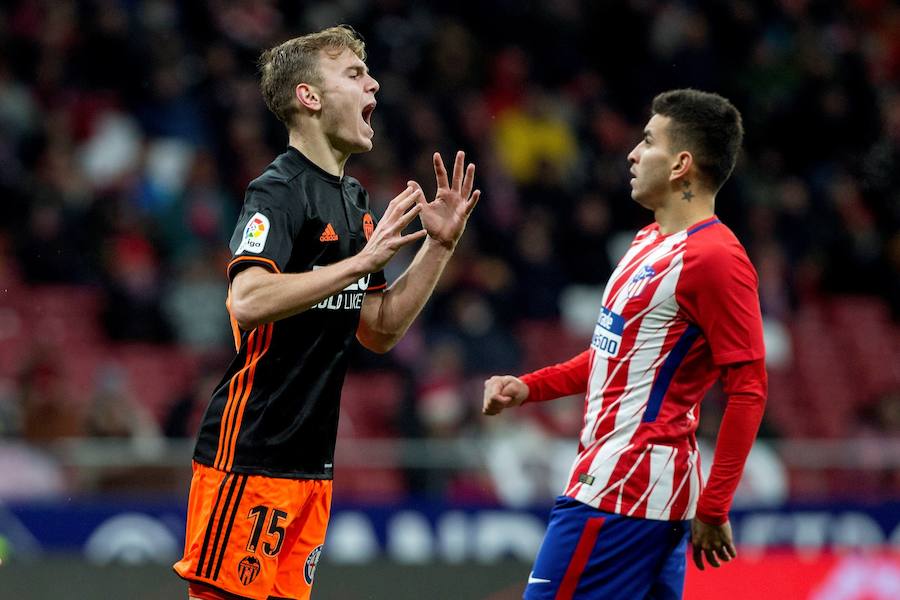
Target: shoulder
[276,187]
[714,253]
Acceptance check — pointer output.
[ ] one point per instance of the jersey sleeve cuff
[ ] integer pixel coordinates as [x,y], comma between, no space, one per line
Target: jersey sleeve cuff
[712,518]
[240,263]
[534,388]
[737,356]
[376,288]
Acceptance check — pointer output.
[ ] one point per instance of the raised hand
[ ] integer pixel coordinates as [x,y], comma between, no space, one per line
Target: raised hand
[445,217]
[503,391]
[388,238]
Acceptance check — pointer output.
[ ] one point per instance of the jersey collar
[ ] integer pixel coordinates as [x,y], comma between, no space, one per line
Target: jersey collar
[302,159]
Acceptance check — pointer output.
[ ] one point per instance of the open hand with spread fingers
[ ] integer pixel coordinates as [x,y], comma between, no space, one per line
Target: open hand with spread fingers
[388,238]
[445,217]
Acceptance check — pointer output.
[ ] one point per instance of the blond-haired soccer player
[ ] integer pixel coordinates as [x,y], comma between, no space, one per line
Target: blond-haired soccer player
[306,277]
[680,311]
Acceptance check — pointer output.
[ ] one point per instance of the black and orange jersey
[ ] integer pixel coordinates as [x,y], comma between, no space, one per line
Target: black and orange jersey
[275,412]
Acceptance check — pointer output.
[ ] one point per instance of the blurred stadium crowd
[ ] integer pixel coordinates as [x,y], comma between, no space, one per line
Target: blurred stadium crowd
[130,128]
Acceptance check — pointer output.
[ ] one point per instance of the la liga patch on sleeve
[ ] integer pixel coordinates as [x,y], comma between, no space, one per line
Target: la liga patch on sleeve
[255,234]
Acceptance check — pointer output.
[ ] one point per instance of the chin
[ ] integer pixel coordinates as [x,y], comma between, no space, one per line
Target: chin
[637,198]
[358,146]
[362,144]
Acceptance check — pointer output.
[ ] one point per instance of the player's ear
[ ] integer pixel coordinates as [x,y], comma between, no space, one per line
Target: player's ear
[308,96]
[684,160]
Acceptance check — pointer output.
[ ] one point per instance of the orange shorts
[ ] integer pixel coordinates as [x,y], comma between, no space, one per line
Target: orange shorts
[254,536]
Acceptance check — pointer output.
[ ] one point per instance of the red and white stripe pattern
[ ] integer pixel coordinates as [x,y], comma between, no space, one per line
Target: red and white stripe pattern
[637,454]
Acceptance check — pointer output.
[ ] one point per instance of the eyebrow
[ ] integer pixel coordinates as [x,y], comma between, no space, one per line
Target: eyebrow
[361,69]
[647,134]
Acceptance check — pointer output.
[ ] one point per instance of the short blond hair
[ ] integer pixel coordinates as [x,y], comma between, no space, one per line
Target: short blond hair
[296,61]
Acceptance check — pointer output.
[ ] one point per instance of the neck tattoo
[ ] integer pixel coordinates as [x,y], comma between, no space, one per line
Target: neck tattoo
[687,194]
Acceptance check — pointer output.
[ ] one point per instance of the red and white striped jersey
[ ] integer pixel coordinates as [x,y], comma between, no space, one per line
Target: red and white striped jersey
[676,310]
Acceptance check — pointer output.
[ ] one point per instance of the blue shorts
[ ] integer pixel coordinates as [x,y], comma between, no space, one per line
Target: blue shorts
[589,554]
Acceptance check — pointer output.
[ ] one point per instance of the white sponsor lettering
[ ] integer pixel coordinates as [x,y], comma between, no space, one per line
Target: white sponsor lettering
[350,298]
[608,333]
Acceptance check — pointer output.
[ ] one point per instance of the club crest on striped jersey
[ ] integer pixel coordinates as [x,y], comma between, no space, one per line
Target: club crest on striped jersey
[639,281]
[255,234]
[312,561]
[248,569]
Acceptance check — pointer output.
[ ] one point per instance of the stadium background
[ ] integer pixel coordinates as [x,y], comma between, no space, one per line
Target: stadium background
[129,129]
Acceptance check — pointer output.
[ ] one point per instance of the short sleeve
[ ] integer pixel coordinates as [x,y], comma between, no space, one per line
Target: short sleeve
[265,231]
[377,283]
[719,292]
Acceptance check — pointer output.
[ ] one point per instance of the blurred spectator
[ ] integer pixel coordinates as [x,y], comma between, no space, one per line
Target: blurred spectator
[486,346]
[194,304]
[534,140]
[28,474]
[49,411]
[133,309]
[183,418]
[114,412]
[538,268]
[583,239]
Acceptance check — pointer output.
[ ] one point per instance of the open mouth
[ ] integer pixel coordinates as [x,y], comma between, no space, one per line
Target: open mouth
[367,111]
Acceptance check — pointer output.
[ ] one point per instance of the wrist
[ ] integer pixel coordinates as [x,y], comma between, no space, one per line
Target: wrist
[361,265]
[528,381]
[435,245]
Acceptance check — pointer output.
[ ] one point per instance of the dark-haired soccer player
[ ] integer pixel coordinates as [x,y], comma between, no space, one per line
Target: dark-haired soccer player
[680,311]
[306,277]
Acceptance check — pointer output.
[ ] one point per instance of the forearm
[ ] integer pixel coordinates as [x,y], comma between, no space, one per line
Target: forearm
[402,302]
[746,388]
[556,381]
[259,296]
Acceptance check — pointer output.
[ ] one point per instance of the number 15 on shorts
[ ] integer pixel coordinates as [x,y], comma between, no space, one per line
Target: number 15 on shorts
[268,521]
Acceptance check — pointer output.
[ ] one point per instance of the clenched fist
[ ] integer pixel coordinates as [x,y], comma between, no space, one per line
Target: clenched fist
[503,391]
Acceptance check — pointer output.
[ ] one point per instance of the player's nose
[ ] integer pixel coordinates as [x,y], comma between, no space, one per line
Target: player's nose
[633,156]
[373,86]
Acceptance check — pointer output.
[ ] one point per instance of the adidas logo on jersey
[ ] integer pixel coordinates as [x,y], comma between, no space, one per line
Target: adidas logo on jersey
[329,235]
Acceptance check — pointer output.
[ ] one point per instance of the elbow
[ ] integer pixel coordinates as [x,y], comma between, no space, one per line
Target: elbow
[377,343]
[244,314]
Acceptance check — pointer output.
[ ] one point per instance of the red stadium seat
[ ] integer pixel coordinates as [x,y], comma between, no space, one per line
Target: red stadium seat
[369,485]
[826,393]
[369,405]
[63,314]
[870,342]
[157,375]
[548,342]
